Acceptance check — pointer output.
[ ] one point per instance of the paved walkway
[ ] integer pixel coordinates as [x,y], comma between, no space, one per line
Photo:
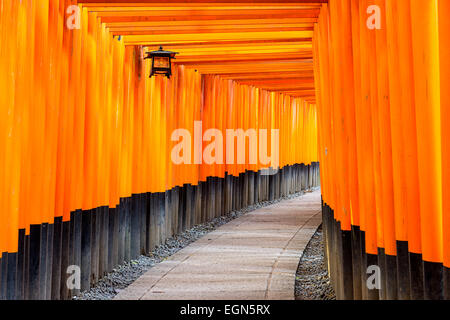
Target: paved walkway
[253,257]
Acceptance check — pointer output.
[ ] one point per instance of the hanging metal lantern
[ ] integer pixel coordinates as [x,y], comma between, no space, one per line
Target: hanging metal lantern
[161,62]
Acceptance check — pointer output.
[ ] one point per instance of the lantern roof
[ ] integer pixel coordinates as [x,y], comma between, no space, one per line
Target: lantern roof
[161,52]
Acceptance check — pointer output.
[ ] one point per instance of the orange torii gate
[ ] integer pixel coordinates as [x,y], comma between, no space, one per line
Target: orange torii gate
[88,140]
[383,100]
[87,176]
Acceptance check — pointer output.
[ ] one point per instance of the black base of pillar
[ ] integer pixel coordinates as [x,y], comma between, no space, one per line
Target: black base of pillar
[3,275]
[446,282]
[104,247]
[11,276]
[95,244]
[127,229]
[382,264]
[391,278]
[35,256]
[50,235]
[67,257]
[86,242]
[43,262]
[56,259]
[135,236]
[143,223]
[112,239]
[346,264]
[372,260]
[77,246]
[403,280]
[432,276]
[20,290]
[356,260]
[416,276]
[364,289]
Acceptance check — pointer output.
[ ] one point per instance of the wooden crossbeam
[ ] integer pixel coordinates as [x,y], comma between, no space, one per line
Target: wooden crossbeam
[212,59]
[214,23]
[216,37]
[207,29]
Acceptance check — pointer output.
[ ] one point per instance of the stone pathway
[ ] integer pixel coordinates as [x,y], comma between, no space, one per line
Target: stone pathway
[254,257]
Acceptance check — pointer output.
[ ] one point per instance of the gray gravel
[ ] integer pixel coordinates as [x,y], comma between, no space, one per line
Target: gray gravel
[124,275]
[312,281]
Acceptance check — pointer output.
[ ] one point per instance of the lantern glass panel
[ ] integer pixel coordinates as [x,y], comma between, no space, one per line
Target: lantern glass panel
[161,62]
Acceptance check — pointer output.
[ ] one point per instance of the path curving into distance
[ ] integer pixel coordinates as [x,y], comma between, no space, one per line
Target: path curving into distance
[254,257]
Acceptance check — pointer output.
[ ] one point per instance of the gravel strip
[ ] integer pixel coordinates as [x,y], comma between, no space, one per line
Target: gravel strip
[124,275]
[312,281]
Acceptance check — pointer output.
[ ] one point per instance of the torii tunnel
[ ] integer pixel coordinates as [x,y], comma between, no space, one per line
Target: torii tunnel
[101,163]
